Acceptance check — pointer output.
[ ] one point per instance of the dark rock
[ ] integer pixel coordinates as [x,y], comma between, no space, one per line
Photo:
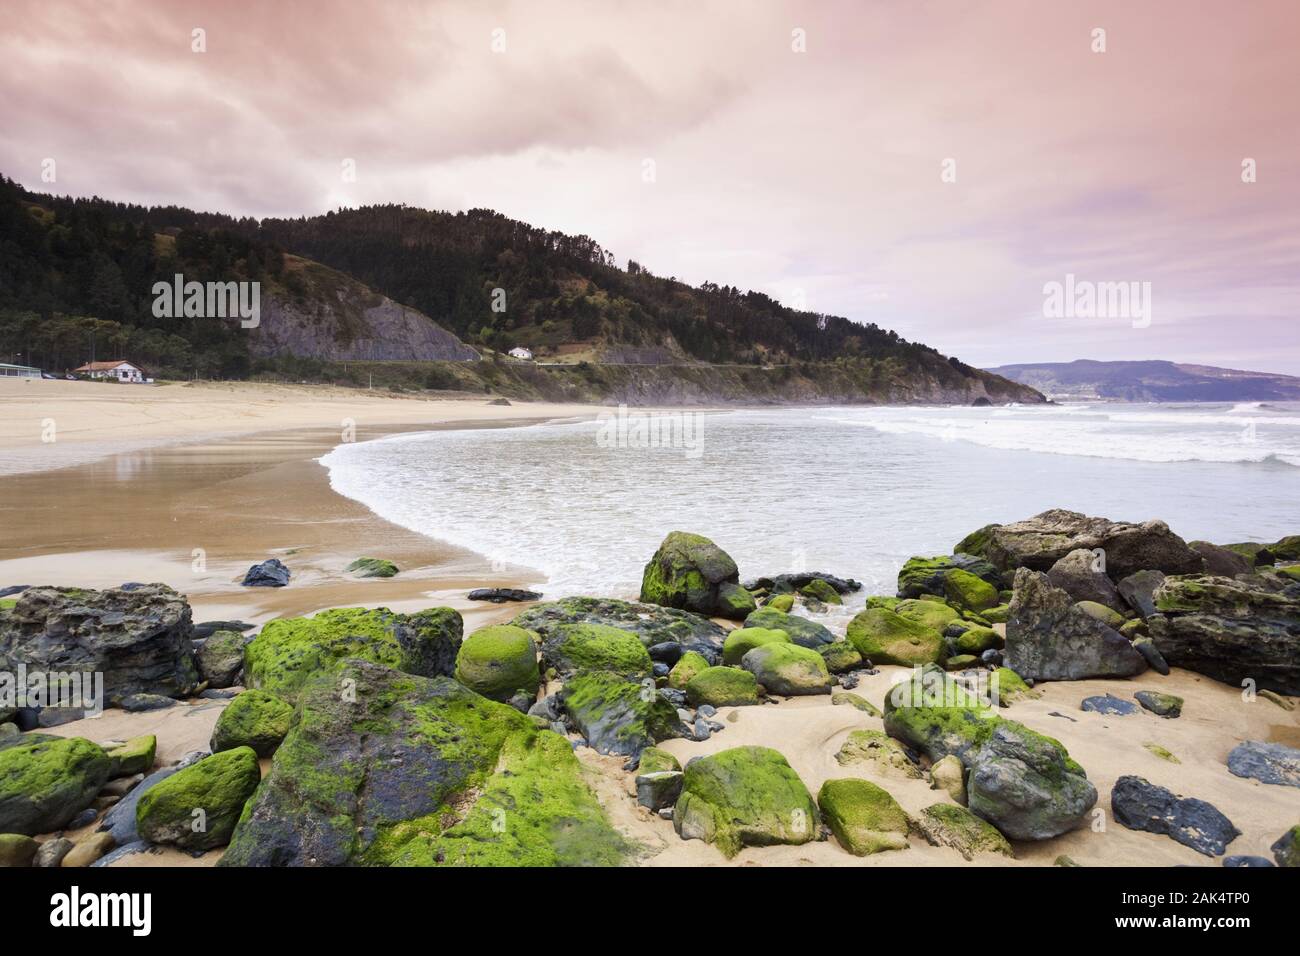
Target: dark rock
[992,656]
[138,703]
[13,589]
[1075,574]
[130,849]
[1266,762]
[1162,705]
[52,852]
[1286,851]
[659,789]
[1222,561]
[221,693]
[1140,805]
[1050,638]
[1231,629]
[271,573]
[1151,654]
[1239,861]
[1257,554]
[1138,590]
[139,640]
[920,575]
[1106,704]
[669,652]
[619,716]
[83,819]
[208,628]
[652,624]
[660,669]
[502,595]
[1027,786]
[1039,542]
[789,583]
[120,820]
[221,658]
[692,573]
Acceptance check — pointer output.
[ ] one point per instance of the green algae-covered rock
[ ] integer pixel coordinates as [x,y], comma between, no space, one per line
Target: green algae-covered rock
[802,631]
[977,640]
[967,590]
[856,701]
[1291,571]
[536,811]
[722,687]
[47,782]
[656,760]
[1169,706]
[997,615]
[1101,612]
[744,639]
[651,623]
[377,759]
[946,824]
[254,719]
[977,542]
[687,666]
[372,568]
[573,648]
[291,651]
[788,669]
[927,611]
[17,850]
[500,661]
[221,657]
[819,590]
[961,662]
[1286,851]
[921,575]
[134,756]
[872,747]
[618,716]
[840,657]
[864,817]
[1288,549]
[884,637]
[197,808]
[692,573]
[1009,687]
[745,796]
[781,602]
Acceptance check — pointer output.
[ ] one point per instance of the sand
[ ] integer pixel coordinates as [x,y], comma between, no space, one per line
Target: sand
[190,484]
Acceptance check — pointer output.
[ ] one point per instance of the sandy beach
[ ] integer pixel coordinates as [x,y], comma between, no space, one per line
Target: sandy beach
[197,482]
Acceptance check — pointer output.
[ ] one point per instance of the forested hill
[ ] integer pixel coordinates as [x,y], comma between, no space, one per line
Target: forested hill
[68,262]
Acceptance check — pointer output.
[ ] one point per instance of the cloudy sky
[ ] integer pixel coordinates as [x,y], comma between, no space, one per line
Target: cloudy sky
[795,148]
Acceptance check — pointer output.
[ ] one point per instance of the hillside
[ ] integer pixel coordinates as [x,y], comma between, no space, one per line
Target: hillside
[1151,381]
[389,283]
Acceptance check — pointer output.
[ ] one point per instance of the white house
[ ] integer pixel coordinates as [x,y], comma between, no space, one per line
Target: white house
[120,369]
[521,353]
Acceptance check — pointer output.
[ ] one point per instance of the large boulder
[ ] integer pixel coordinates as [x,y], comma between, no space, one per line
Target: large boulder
[1049,637]
[1139,591]
[197,808]
[617,715]
[1077,575]
[1141,805]
[946,824]
[1222,561]
[221,658]
[367,777]
[255,719]
[801,631]
[652,624]
[1039,542]
[1266,762]
[885,637]
[744,639]
[788,670]
[692,573]
[573,648]
[745,796]
[47,782]
[289,652]
[138,638]
[921,575]
[722,687]
[1233,630]
[864,817]
[500,661]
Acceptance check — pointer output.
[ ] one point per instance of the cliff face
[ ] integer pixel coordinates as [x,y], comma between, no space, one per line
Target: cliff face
[323,314]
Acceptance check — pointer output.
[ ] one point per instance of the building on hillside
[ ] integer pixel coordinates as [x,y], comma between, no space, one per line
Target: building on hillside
[119,369]
[18,371]
[522,353]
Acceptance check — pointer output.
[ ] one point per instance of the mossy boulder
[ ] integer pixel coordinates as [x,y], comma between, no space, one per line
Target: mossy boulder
[1162,705]
[788,669]
[289,652]
[197,808]
[17,850]
[802,631]
[692,573]
[656,760]
[372,568]
[965,590]
[255,719]
[221,657]
[872,747]
[946,824]
[651,623]
[819,590]
[977,640]
[535,811]
[928,575]
[46,782]
[1009,687]
[841,657]
[687,666]
[745,796]
[1287,549]
[1101,612]
[618,716]
[1286,851]
[961,662]
[928,612]
[781,602]
[134,756]
[574,648]
[500,661]
[999,614]
[885,637]
[744,639]
[864,817]
[722,687]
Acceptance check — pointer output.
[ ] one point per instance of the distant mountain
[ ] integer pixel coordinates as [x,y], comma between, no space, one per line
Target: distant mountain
[397,284]
[1151,381]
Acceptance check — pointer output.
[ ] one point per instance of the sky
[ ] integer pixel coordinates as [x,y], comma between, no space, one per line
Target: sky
[933,166]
